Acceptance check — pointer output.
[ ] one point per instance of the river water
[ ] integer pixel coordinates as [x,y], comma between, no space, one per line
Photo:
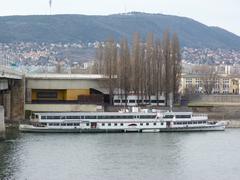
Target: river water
[133,156]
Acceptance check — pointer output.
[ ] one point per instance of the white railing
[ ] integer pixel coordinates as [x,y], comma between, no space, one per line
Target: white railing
[199,116]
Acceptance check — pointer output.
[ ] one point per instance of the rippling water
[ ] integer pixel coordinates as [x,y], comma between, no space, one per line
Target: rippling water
[203,155]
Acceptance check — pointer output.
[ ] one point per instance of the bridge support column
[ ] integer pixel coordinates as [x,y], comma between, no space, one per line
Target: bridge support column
[17,94]
[2,125]
[6,105]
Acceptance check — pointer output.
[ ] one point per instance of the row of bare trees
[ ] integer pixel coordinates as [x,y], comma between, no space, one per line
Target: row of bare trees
[146,68]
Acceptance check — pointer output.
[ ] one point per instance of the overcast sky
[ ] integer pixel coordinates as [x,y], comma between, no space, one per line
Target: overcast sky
[222,13]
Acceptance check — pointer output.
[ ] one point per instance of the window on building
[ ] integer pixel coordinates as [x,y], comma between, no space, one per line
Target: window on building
[47,94]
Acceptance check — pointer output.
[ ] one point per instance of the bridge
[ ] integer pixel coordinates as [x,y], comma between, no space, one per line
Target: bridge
[11,95]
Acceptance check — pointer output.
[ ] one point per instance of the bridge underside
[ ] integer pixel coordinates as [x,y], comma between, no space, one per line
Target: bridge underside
[64,93]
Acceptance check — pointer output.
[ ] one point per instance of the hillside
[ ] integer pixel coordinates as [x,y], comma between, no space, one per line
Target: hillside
[76,28]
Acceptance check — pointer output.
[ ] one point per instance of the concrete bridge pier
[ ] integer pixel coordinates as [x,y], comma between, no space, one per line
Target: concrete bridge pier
[2,124]
[12,100]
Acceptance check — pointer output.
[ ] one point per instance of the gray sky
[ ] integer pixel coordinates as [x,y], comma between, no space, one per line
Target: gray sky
[222,13]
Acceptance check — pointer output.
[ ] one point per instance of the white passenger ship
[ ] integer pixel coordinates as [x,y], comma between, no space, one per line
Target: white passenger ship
[120,122]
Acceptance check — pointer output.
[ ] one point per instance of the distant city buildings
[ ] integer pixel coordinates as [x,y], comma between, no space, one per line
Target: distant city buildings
[222,79]
[210,56]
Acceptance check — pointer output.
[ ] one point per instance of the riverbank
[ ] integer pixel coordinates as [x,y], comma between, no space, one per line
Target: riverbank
[233,123]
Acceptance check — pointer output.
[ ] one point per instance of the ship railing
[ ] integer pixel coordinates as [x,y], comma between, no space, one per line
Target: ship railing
[199,116]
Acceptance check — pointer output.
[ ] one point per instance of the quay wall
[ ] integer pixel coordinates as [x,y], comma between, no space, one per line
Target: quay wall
[233,123]
[213,98]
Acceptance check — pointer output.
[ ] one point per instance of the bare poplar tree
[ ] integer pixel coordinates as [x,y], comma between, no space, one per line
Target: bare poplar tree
[149,64]
[150,68]
[176,66]
[110,65]
[135,64]
[159,72]
[167,65]
[124,59]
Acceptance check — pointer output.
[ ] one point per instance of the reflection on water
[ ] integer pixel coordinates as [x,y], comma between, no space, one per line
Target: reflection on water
[204,155]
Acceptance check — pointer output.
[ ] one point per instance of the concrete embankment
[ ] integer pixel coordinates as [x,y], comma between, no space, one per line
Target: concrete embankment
[2,124]
[233,123]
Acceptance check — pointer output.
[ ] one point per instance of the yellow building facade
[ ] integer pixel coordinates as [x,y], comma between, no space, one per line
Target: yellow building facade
[59,95]
[200,83]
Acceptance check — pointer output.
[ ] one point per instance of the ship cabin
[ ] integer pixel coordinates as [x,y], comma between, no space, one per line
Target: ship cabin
[184,119]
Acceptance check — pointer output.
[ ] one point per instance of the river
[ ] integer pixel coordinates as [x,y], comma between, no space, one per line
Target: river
[199,155]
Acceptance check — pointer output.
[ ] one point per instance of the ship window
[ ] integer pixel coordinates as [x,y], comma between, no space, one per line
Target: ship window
[76,124]
[199,122]
[43,117]
[87,124]
[50,117]
[141,124]
[103,124]
[132,125]
[69,124]
[121,124]
[168,116]
[154,124]
[73,117]
[161,123]
[160,101]
[132,101]
[147,124]
[44,124]
[115,124]
[117,101]
[146,101]
[51,124]
[62,117]
[139,101]
[175,123]
[147,117]
[184,122]
[90,117]
[183,116]
[56,124]
[109,124]
[204,122]
[189,122]
[82,117]
[153,101]
[194,122]
[124,101]
[63,124]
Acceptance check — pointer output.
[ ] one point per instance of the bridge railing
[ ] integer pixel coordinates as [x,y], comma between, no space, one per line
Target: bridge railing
[8,72]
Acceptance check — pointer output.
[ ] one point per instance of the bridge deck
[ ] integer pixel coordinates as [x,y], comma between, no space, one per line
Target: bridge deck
[9,73]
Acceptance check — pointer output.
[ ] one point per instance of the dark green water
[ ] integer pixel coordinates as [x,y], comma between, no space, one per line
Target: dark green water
[183,156]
